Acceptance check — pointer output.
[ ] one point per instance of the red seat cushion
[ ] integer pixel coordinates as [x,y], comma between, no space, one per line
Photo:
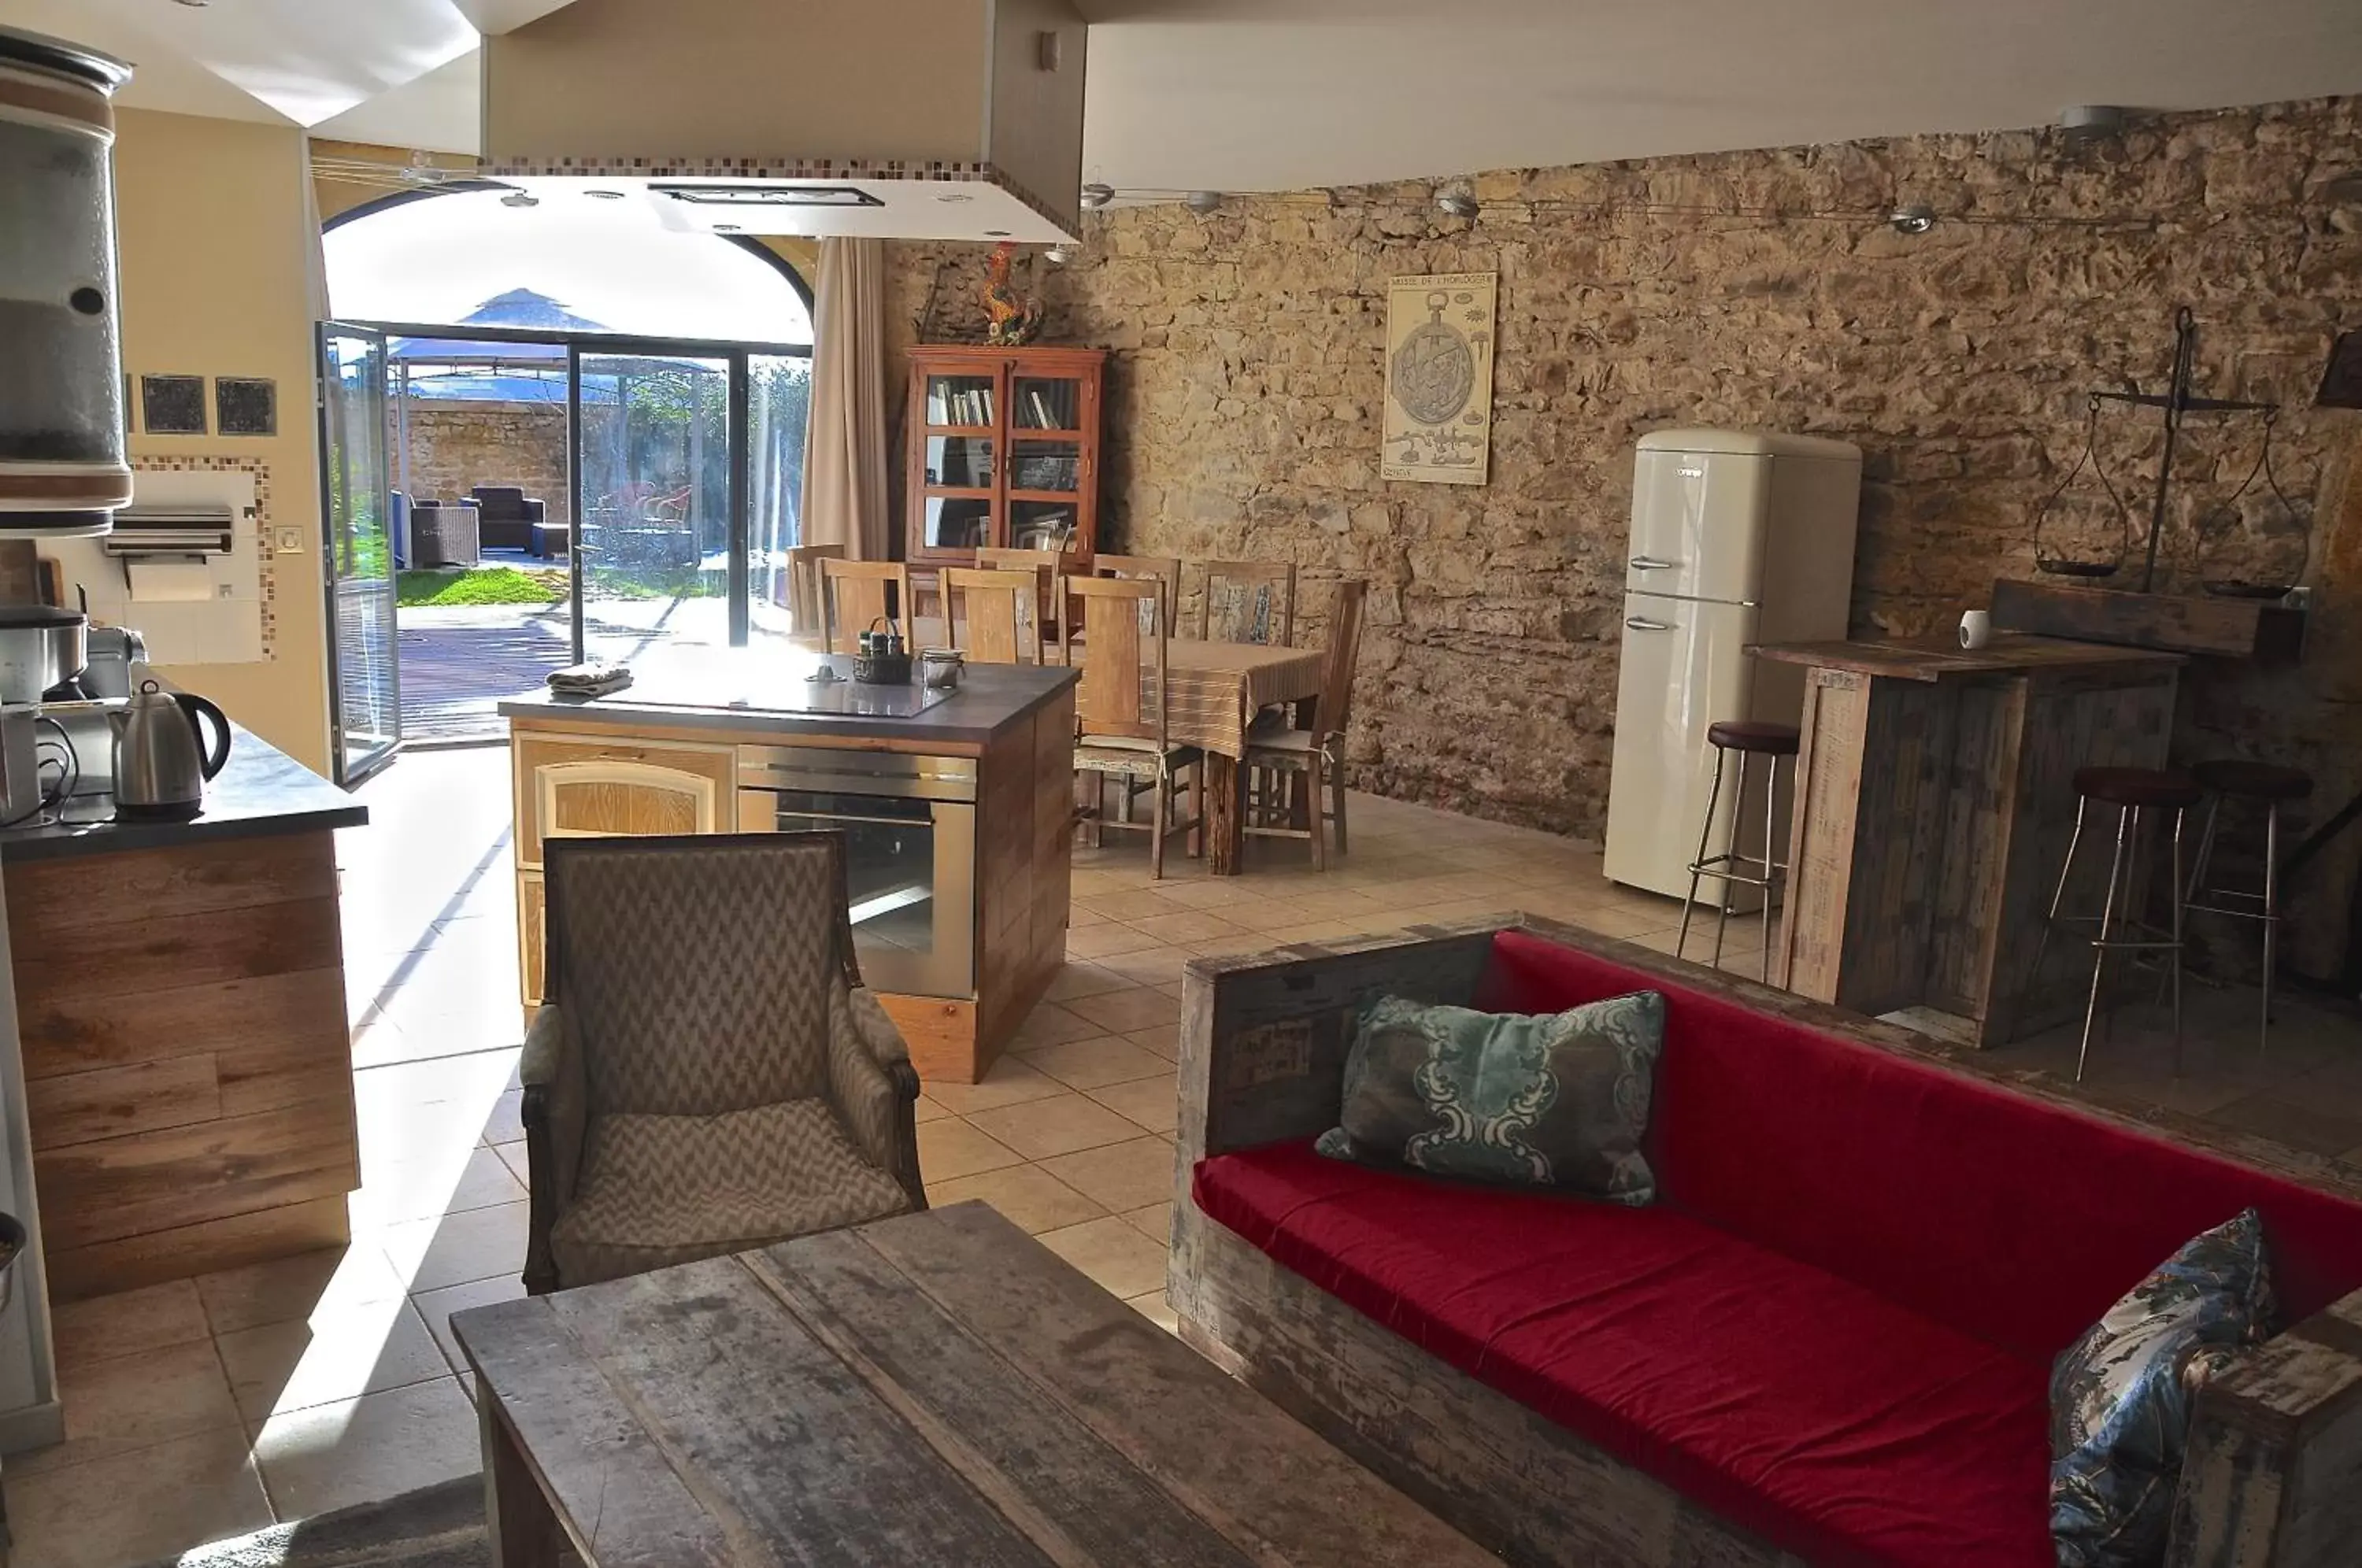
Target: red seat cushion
[2010,1218]
[1785,1398]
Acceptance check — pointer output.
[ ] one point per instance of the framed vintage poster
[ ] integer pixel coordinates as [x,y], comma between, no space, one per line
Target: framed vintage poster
[1439,425]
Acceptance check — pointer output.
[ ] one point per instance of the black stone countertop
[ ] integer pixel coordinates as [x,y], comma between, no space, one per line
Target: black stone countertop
[259,791]
[698,693]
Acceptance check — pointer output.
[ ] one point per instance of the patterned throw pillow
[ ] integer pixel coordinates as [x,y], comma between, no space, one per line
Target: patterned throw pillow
[2120,1395]
[1536,1099]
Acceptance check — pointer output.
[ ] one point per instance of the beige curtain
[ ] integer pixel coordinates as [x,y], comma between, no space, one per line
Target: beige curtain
[845,444]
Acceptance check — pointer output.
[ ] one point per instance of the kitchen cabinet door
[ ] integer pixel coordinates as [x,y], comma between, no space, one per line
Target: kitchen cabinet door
[591,789]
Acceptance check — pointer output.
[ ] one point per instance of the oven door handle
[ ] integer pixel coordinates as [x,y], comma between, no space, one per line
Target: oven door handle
[850,817]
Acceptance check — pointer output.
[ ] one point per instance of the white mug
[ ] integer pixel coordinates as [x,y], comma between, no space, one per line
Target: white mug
[1976,628]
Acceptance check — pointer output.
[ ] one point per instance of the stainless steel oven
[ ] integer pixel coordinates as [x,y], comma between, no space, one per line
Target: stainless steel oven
[910,835]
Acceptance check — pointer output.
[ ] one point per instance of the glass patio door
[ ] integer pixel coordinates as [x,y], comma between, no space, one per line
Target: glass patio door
[778,405]
[653,479]
[356,507]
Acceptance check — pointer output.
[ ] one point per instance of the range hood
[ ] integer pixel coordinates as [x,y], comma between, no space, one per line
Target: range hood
[899,119]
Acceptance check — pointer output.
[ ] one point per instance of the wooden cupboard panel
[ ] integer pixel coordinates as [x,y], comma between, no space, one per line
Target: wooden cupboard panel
[72,1032]
[632,787]
[532,929]
[82,1108]
[77,893]
[169,953]
[101,1268]
[154,1181]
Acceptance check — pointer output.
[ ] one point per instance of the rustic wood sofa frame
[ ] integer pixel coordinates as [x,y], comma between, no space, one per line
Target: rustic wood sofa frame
[2274,1477]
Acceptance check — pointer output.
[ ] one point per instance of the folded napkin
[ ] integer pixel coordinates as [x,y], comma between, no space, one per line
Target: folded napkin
[591,679]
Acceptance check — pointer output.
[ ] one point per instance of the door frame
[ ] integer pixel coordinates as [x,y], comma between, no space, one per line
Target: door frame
[341,769]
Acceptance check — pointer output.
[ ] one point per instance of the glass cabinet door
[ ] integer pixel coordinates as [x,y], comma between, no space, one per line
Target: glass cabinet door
[1046,403]
[962,402]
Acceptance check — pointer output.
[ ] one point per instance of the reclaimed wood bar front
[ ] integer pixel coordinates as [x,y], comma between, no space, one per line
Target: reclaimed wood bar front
[1934,799]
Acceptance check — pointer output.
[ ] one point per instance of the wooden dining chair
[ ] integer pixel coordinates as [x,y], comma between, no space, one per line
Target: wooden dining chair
[803,582]
[1165,570]
[1275,748]
[1120,708]
[858,592]
[1047,565]
[1248,601]
[995,617]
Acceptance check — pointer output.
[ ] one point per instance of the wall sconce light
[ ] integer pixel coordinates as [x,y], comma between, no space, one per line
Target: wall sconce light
[1911,217]
[1098,194]
[1058,255]
[1458,203]
[1202,201]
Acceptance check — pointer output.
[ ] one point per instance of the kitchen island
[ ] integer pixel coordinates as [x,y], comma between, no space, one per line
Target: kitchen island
[181,1018]
[1935,798]
[957,813]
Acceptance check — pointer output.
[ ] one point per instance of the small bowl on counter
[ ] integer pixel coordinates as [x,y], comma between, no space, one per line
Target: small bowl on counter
[940,669]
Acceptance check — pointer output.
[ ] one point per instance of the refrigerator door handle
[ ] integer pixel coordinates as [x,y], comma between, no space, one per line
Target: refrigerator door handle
[1642,623]
[1651,563]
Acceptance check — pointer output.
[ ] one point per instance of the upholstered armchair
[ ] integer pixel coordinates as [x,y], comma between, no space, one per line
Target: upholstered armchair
[707,1073]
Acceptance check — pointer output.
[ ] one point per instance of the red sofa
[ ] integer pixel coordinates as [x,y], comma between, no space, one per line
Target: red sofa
[1834,1331]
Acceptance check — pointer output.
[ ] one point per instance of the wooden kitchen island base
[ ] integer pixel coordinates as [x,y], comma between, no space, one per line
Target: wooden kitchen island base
[187,1070]
[1935,798]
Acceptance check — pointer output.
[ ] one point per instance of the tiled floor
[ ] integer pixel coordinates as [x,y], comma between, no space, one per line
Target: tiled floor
[208,1407]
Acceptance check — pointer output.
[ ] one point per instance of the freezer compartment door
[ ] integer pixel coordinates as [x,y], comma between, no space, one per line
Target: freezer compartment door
[1698,524]
[1685,667]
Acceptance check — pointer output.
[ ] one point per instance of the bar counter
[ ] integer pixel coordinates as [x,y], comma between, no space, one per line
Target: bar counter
[1934,804]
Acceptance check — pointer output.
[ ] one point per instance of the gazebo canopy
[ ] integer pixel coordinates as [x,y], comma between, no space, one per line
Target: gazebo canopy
[518,310]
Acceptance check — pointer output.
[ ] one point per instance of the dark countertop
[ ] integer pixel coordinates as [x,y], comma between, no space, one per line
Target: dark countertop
[2009,653]
[697,692]
[260,791]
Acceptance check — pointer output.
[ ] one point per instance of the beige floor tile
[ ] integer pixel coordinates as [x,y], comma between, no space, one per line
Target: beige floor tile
[1049,1023]
[1116,1012]
[1078,917]
[436,1307]
[152,1503]
[1089,1064]
[1028,1196]
[506,1123]
[1227,946]
[334,1355]
[1008,1082]
[1608,919]
[135,1320]
[1134,904]
[1338,904]
[1213,893]
[391,1191]
[950,1148]
[452,1249]
[1119,1177]
[1078,979]
[294,1287]
[2300,1126]
[1112,1255]
[1058,1125]
[1151,1103]
[928,1109]
[1269,913]
[1157,1310]
[1150,966]
[1100,943]
[1152,1221]
[519,1162]
[1189,925]
[127,1402]
[1165,1040]
[363,1450]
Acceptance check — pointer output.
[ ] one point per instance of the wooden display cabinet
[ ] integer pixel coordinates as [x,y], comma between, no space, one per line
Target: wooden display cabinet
[1003,449]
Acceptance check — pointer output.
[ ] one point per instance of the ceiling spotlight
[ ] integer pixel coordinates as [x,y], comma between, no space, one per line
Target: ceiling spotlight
[996,234]
[954,197]
[195,5]
[1097,195]
[519,199]
[725,228]
[1457,204]
[1913,217]
[1202,201]
[2088,121]
[605,195]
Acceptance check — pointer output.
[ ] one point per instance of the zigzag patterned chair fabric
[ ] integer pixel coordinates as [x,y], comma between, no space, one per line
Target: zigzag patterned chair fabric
[708,1073]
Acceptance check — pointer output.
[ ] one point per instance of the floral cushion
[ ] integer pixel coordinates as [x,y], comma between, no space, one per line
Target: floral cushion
[2120,1395]
[1553,1099]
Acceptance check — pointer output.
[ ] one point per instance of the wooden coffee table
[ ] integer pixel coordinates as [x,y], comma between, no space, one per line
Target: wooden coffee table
[932,1390]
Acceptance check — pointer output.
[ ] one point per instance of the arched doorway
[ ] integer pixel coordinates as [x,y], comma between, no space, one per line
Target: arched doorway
[587,433]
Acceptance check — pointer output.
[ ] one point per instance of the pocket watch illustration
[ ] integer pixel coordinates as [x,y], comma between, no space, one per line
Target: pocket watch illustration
[1434,370]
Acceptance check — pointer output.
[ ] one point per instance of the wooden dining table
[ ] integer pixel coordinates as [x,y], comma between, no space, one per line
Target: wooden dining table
[1213,692]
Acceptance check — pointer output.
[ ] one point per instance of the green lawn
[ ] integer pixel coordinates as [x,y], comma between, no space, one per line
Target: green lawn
[485,585]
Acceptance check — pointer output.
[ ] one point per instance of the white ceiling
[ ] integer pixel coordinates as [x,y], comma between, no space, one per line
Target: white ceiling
[1272,95]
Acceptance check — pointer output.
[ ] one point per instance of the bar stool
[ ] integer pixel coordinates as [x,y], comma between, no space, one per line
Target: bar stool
[1746,738]
[2133,791]
[2254,783]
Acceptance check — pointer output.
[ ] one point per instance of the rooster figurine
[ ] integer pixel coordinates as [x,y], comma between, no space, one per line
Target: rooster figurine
[1012,321]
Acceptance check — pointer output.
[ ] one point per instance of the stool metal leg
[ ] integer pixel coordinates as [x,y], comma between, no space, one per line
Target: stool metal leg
[2126,817]
[1729,858]
[2173,959]
[1697,867]
[2272,916]
[2206,848]
[2059,894]
[1770,800]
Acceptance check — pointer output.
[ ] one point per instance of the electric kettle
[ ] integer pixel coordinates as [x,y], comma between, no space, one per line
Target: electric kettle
[161,762]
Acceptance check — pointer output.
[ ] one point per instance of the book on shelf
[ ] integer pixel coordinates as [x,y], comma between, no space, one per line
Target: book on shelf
[1041,420]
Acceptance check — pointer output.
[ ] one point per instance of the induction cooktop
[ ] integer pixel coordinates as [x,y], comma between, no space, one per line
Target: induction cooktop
[768,690]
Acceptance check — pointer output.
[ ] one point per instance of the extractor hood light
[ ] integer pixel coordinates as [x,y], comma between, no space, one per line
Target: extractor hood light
[519,199]
[605,195]
[769,195]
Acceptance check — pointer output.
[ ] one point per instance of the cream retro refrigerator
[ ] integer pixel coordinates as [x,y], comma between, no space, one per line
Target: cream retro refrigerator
[1737,537]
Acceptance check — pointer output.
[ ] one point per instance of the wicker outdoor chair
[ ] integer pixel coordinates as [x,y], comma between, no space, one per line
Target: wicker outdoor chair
[707,1073]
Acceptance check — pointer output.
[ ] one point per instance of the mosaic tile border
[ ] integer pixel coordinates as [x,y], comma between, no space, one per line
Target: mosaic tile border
[265,557]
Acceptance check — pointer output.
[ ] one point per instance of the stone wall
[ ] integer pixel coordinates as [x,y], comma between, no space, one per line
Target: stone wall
[455,447]
[1751,289]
